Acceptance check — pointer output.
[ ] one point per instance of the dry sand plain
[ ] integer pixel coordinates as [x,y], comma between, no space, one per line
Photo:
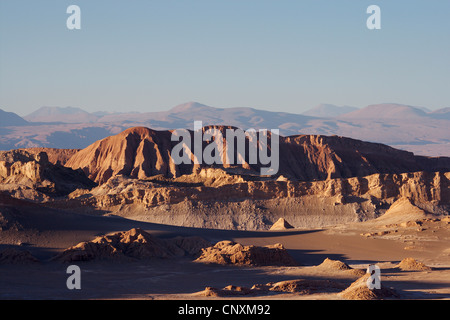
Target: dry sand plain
[357,244]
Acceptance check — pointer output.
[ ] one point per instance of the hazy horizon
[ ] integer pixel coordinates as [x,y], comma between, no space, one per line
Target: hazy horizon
[286,56]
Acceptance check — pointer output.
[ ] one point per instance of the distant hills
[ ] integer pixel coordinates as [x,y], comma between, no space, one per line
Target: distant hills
[328,110]
[405,127]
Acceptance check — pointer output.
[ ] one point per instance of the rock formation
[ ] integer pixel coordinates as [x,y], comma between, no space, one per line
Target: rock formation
[411,264]
[321,181]
[281,224]
[16,256]
[55,156]
[420,187]
[20,169]
[136,152]
[329,265]
[142,153]
[8,220]
[132,244]
[296,286]
[236,203]
[305,286]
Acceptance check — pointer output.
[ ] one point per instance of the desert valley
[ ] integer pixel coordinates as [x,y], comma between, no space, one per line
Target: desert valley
[225,159]
[140,226]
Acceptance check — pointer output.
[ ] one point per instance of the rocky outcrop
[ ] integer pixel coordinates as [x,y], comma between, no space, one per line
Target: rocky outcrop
[296,286]
[8,220]
[256,205]
[142,153]
[331,266]
[421,188]
[20,169]
[229,252]
[321,181]
[401,212]
[55,156]
[132,244]
[138,153]
[411,264]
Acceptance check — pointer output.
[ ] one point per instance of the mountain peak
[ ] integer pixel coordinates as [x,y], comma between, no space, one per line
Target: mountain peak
[190,106]
[325,110]
[11,119]
[58,110]
[139,131]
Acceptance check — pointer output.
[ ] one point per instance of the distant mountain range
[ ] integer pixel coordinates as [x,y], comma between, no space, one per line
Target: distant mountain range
[328,111]
[11,119]
[405,127]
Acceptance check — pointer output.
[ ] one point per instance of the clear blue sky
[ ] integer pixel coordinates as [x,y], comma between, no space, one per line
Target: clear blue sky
[285,55]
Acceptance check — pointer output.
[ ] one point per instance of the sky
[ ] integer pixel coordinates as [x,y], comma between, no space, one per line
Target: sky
[278,55]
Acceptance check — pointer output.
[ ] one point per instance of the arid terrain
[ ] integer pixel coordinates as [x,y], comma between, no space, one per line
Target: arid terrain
[140,226]
[405,127]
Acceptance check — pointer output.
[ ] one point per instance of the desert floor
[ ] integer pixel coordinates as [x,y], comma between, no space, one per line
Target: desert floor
[181,278]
